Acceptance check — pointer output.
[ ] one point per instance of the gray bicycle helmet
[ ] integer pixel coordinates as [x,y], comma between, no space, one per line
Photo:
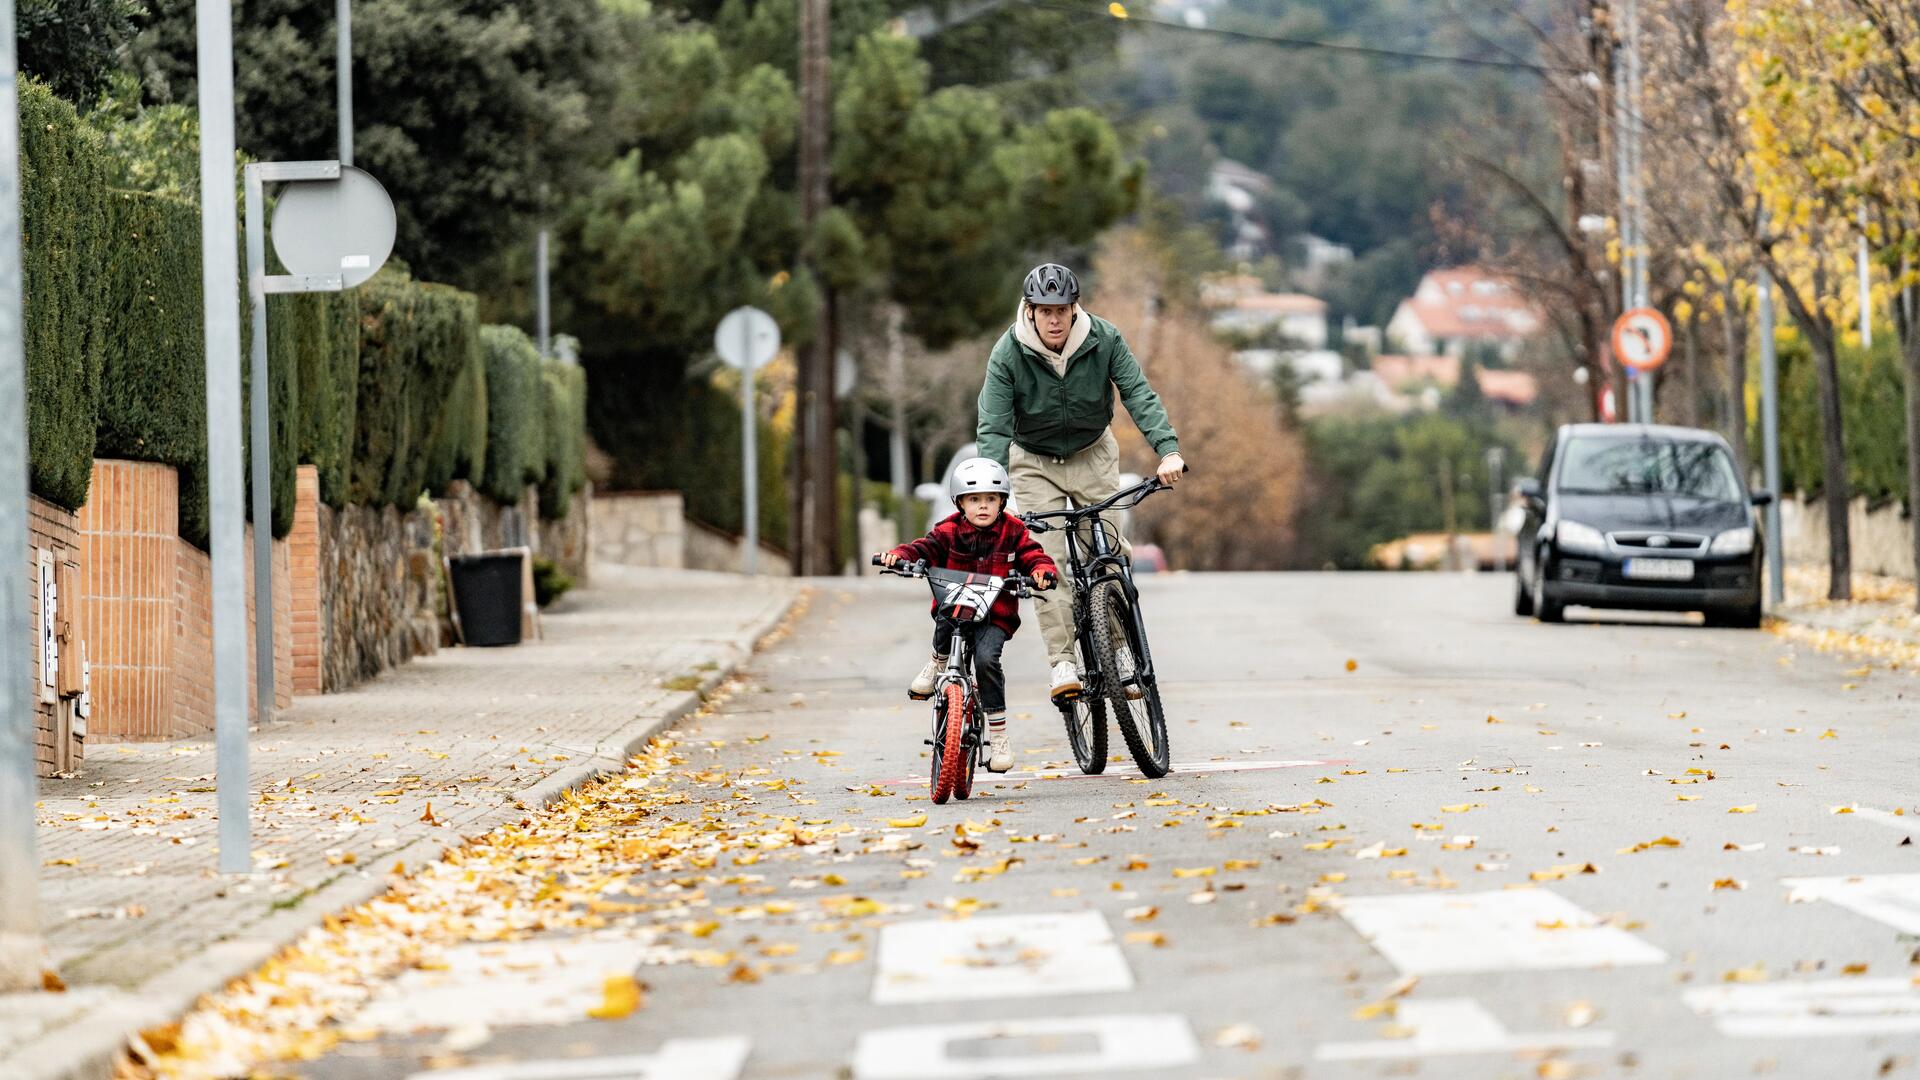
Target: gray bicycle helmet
[981,475]
[1051,283]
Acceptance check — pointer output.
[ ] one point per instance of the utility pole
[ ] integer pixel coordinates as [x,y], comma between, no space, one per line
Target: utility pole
[1770,435]
[219,289]
[1865,287]
[897,433]
[816,473]
[21,952]
[541,325]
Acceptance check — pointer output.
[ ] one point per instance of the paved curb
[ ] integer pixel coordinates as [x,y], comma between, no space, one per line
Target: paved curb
[85,1048]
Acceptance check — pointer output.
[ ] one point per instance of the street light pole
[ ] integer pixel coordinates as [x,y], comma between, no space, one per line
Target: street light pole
[21,951]
[543,328]
[1770,437]
[219,289]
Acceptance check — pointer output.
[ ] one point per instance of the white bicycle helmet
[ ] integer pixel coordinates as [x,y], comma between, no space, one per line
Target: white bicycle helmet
[980,474]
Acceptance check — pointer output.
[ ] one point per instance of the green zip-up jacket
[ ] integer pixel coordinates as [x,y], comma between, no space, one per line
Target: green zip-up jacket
[1024,401]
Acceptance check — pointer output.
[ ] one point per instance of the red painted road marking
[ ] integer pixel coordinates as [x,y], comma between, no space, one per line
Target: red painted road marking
[1129,771]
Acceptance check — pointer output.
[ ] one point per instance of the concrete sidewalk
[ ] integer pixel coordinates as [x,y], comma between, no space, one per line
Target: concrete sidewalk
[344,786]
[1878,623]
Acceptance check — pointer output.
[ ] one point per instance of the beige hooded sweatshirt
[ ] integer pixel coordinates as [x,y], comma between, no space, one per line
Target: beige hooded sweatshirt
[1025,334]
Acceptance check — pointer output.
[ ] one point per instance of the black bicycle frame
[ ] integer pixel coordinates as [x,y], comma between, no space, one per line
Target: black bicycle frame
[1102,565]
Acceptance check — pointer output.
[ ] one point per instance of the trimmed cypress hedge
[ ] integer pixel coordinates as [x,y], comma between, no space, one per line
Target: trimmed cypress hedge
[1872,413]
[516,414]
[322,330]
[415,340]
[153,387]
[566,448]
[64,229]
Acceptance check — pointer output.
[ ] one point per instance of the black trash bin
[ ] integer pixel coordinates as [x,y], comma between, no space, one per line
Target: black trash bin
[486,592]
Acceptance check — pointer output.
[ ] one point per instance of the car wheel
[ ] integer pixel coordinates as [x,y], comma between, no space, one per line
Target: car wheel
[1522,597]
[1545,607]
[1741,618]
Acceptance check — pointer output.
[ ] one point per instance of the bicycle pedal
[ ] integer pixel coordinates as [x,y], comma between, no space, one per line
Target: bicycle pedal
[918,697]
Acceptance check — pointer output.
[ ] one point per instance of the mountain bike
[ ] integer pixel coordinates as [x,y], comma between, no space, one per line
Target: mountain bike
[959,726]
[1116,666]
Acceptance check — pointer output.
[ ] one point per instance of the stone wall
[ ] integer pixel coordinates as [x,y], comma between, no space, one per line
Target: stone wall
[57,532]
[710,549]
[641,528]
[1881,536]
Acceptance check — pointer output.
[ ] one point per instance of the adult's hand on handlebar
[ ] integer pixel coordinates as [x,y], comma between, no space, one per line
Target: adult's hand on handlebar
[1045,579]
[1172,468]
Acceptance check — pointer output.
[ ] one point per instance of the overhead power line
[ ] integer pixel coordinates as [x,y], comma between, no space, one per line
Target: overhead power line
[1285,42]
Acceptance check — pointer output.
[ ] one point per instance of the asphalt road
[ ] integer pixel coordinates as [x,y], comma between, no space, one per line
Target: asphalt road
[1537,851]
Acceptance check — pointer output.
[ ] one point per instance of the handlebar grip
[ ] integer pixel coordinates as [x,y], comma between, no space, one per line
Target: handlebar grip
[877,562]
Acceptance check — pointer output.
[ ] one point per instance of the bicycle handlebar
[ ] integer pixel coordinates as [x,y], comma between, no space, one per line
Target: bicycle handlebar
[1139,493]
[1024,586]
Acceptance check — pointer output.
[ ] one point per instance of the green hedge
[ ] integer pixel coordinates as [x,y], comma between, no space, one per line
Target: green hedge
[516,414]
[153,387]
[415,340]
[322,333]
[64,230]
[1872,412]
[566,448]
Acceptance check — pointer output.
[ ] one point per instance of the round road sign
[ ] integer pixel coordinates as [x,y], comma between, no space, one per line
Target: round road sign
[342,226]
[747,338]
[1641,339]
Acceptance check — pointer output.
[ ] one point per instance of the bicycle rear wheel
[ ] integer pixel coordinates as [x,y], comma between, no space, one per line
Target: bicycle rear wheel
[1086,719]
[948,742]
[1143,723]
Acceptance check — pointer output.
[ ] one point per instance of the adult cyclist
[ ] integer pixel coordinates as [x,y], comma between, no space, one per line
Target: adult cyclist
[1046,413]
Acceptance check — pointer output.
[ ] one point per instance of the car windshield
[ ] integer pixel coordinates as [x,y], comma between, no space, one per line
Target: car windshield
[1648,466]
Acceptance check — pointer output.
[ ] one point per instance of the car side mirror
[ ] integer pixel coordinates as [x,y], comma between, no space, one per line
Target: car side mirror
[1760,497]
[1529,491]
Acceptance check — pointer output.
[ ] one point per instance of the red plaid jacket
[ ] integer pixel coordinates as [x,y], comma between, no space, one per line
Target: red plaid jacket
[999,549]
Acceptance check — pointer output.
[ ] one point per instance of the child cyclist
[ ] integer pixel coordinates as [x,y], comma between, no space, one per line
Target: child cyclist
[981,538]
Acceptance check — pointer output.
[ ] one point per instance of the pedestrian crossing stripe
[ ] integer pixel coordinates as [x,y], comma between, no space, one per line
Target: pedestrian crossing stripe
[1090,1045]
[1001,956]
[1509,930]
[552,980]
[677,1059]
[1832,1007]
[1457,1026]
[1893,899]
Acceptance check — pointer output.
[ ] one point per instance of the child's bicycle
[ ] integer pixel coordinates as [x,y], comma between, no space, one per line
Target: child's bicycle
[959,727]
[1107,620]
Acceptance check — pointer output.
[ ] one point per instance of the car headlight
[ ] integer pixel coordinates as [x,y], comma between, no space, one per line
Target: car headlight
[1573,536]
[1733,542]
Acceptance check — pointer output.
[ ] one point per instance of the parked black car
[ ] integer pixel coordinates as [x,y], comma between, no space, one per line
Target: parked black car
[1639,516]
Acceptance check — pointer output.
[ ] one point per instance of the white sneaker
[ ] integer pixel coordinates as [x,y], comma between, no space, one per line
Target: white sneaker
[921,688]
[999,750]
[1123,671]
[1066,680]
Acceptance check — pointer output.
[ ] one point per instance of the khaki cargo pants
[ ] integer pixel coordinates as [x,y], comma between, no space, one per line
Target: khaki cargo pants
[1043,483]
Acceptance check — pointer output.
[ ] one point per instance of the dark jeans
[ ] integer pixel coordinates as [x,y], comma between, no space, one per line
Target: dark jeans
[988,640]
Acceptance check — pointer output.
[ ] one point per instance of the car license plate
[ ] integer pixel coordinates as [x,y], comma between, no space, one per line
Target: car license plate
[1660,569]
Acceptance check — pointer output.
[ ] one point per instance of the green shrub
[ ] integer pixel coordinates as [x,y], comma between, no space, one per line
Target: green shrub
[550,582]
[415,340]
[322,331]
[153,387]
[459,450]
[1872,413]
[566,440]
[64,229]
[516,414]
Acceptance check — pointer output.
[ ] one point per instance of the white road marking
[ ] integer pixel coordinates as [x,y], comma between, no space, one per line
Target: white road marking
[1116,769]
[1903,822]
[1000,956]
[1457,1026]
[1832,1007]
[1094,1045]
[1521,929]
[677,1059]
[545,981]
[1893,899]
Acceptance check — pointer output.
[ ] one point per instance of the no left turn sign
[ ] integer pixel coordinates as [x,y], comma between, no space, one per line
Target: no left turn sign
[1641,339]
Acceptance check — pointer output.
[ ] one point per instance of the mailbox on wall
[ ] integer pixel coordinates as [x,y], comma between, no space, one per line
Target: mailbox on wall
[49,633]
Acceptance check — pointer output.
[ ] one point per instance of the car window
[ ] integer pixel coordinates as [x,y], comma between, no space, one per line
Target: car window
[1617,466]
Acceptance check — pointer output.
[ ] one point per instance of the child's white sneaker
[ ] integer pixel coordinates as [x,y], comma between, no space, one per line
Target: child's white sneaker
[921,688]
[1066,680]
[999,750]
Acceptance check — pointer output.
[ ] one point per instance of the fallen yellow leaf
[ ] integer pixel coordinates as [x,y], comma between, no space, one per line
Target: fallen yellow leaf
[913,822]
[619,997]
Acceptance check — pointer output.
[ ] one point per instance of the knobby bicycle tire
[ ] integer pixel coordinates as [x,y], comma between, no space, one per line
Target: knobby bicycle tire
[1110,616]
[1090,749]
[946,755]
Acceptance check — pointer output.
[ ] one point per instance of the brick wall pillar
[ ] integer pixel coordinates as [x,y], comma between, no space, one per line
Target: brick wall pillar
[130,527]
[53,529]
[305,617]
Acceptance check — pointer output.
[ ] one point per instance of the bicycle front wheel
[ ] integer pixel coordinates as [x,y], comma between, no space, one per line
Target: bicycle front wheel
[1086,719]
[949,743]
[1143,723]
